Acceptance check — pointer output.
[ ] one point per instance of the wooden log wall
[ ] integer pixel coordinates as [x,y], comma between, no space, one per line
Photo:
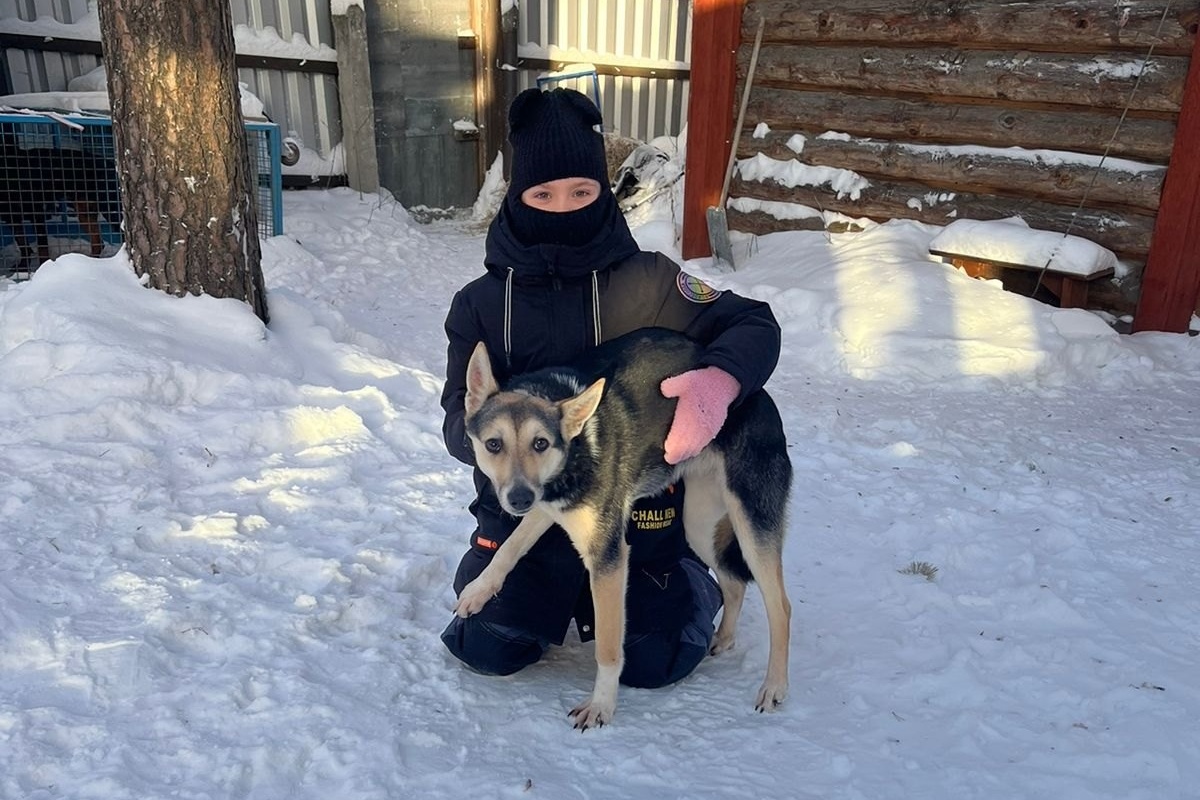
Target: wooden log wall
[922,98]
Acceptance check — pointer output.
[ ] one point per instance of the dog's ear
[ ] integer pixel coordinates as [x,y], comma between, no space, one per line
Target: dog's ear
[579,409]
[481,383]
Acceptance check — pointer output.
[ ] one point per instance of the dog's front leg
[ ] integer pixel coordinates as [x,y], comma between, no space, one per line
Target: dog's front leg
[609,578]
[478,592]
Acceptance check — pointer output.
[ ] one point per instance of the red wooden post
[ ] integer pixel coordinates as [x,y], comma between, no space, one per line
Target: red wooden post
[1171,282]
[716,34]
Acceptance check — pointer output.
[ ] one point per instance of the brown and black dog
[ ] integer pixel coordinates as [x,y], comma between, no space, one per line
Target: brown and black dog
[576,446]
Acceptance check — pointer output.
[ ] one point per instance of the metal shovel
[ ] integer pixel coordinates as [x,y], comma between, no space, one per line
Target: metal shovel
[718,225]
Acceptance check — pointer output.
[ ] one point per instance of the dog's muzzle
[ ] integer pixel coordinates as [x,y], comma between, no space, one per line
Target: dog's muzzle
[519,500]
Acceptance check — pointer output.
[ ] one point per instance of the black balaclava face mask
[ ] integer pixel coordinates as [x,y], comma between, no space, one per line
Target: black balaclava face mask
[533,226]
[554,135]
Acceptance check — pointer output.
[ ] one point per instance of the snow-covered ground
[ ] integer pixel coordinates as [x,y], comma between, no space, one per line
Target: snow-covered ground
[226,550]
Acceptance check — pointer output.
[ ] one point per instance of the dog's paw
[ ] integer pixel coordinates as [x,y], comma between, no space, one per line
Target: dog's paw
[770,696]
[720,644]
[475,595]
[592,714]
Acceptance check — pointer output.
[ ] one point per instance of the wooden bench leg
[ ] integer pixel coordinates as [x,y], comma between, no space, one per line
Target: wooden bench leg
[1071,292]
[1074,293]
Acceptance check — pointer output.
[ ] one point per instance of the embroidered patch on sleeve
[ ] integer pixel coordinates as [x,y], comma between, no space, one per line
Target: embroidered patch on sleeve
[696,290]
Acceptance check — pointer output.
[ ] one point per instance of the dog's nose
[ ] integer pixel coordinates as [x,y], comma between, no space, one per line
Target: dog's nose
[520,499]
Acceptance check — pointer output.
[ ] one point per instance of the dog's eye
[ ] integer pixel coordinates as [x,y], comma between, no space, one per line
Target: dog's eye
[494,445]
[540,444]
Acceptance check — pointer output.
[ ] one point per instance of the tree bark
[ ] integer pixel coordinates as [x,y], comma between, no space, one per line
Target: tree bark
[182,156]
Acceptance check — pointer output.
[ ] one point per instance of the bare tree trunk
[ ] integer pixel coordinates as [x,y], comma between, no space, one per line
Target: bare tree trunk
[186,184]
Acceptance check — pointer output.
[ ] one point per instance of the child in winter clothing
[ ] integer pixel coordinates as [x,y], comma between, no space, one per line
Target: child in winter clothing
[563,273]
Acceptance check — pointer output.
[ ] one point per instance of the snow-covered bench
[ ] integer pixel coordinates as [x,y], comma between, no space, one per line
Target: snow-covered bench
[1067,264]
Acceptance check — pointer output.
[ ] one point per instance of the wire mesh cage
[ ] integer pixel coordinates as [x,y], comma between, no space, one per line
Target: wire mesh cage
[59,191]
[266,158]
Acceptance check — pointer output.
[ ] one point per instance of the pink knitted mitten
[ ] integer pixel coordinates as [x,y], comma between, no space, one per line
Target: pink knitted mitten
[704,398]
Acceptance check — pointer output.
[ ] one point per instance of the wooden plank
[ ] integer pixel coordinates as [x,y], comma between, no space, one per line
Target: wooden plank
[491,108]
[1071,290]
[1039,175]
[715,38]
[286,64]
[56,44]
[605,68]
[355,102]
[1105,81]
[1071,26]
[1127,235]
[934,120]
[975,264]
[59,44]
[1171,280]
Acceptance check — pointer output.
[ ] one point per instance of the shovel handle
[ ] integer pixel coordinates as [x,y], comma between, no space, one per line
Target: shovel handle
[741,117]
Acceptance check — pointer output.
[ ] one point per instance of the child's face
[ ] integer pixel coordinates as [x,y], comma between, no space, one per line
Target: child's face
[564,194]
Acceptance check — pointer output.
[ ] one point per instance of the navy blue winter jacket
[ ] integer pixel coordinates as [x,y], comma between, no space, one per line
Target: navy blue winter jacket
[562,300]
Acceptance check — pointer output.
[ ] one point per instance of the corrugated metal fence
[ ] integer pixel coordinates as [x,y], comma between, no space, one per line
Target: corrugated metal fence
[37,71]
[640,49]
[304,104]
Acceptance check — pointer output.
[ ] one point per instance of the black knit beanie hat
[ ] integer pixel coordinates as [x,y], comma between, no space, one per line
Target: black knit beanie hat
[554,135]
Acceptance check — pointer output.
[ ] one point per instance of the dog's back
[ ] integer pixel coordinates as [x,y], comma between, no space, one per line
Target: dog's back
[631,424]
